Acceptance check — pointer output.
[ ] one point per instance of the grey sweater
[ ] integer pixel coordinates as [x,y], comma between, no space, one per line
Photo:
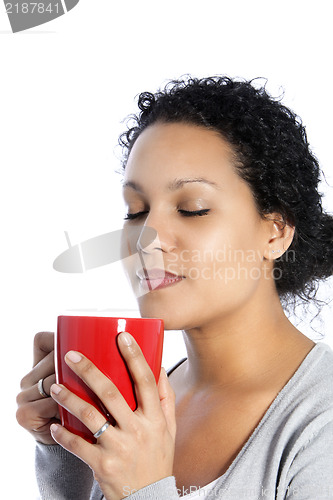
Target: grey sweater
[289,456]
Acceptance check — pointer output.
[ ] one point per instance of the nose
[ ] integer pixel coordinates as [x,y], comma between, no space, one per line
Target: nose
[156,234]
[148,240]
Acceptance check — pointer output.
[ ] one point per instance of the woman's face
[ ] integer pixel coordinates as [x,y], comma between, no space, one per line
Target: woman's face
[180,181]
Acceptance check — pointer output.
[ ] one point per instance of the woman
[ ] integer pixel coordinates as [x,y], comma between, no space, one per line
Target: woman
[224,174]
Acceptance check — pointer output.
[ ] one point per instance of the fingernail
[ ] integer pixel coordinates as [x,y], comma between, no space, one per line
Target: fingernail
[54,428]
[73,356]
[55,388]
[126,338]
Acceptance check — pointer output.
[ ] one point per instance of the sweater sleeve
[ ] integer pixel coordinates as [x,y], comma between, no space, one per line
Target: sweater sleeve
[61,475]
[165,489]
[311,472]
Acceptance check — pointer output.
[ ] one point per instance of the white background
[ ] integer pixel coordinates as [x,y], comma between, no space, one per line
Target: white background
[65,88]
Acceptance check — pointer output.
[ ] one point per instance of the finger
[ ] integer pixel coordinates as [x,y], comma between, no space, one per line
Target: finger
[101,385]
[85,412]
[35,415]
[47,382]
[43,344]
[167,401]
[144,380]
[33,394]
[43,369]
[43,434]
[75,444]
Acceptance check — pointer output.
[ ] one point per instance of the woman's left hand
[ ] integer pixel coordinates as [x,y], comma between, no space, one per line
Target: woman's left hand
[139,449]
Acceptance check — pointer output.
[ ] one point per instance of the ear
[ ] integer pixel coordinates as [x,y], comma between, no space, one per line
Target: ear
[280,236]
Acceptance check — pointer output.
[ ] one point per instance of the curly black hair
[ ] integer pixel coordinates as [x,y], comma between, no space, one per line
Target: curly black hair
[274,158]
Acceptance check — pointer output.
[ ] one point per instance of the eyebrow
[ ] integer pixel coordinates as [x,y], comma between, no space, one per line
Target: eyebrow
[174,185]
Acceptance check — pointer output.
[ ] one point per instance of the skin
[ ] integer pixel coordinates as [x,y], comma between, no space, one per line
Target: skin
[241,347]
[137,450]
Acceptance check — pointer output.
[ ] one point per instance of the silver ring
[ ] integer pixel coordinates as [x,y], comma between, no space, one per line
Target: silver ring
[102,429]
[41,389]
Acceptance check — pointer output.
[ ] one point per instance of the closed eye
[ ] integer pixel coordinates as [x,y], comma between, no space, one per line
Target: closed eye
[184,213]
[194,213]
[136,215]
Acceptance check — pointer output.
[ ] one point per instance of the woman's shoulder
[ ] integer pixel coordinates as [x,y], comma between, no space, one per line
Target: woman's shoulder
[309,392]
[317,368]
[320,374]
[323,351]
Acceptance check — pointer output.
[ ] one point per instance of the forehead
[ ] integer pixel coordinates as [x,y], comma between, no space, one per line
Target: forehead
[170,150]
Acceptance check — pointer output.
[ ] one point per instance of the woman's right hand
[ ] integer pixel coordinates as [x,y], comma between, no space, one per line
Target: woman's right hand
[35,412]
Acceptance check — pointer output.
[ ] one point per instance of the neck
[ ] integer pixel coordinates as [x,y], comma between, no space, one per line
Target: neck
[243,347]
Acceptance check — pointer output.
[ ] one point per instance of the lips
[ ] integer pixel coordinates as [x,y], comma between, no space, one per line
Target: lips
[154,279]
[155,274]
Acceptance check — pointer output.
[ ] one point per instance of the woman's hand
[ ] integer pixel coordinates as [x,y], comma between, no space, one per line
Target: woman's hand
[139,449]
[35,412]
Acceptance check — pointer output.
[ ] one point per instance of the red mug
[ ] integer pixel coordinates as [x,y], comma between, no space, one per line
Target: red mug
[96,338]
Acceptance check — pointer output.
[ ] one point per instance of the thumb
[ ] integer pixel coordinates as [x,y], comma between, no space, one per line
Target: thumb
[167,400]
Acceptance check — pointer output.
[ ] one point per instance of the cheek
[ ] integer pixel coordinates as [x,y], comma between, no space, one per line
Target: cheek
[226,260]
[243,239]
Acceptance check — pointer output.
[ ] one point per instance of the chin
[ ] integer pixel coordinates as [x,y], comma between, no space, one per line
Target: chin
[174,317]
[148,309]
